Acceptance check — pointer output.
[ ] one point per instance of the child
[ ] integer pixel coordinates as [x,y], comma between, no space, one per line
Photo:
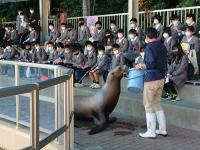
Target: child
[9,53]
[118,58]
[122,41]
[190,45]
[109,41]
[191,21]
[134,46]
[32,37]
[51,52]
[71,34]
[54,34]
[60,54]
[78,61]
[101,68]
[63,35]
[68,56]
[177,73]
[99,33]
[158,26]
[39,55]
[13,35]
[169,41]
[83,33]
[24,55]
[6,34]
[114,29]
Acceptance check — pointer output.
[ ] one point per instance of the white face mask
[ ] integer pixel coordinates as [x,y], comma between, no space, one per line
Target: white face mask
[188,34]
[175,22]
[37,48]
[115,52]
[31,11]
[133,25]
[142,54]
[50,48]
[146,41]
[188,22]
[165,35]
[112,27]
[89,48]
[63,28]
[131,36]
[6,29]
[156,21]
[51,27]
[100,53]
[82,27]
[8,47]
[120,35]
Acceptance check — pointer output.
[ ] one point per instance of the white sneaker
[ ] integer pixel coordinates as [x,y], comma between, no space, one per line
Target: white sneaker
[92,85]
[161,132]
[151,126]
[96,86]
[78,85]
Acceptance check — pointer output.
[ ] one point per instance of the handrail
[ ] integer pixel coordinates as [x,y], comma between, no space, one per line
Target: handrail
[16,90]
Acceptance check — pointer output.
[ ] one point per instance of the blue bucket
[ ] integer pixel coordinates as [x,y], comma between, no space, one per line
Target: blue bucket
[135,80]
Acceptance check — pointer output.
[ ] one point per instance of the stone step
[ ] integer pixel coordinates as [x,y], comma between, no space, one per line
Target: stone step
[182,113]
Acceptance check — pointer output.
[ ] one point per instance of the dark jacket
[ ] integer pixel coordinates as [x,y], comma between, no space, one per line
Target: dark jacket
[91,59]
[39,56]
[155,58]
[117,60]
[103,63]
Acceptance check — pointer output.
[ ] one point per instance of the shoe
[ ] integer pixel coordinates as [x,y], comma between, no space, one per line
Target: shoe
[151,126]
[173,97]
[78,85]
[96,86]
[166,96]
[92,85]
[160,115]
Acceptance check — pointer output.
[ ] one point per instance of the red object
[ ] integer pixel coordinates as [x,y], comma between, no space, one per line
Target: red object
[44,78]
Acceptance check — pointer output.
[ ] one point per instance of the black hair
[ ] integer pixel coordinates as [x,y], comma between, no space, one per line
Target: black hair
[175,17]
[113,22]
[51,43]
[120,31]
[180,53]
[101,47]
[116,46]
[88,43]
[134,20]
[151,33]
[32,26]
[167,30]
[158,17]
[69,25]
[51,24]
[190,28]
[60,45]
[11,25]
[63,24]
[98,22]
[132,31]
[192,16]
[68,46]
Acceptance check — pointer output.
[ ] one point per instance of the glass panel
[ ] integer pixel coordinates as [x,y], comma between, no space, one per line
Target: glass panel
[7,75]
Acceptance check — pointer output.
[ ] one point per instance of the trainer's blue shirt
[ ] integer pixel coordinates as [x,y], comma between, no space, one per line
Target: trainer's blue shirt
[155,58]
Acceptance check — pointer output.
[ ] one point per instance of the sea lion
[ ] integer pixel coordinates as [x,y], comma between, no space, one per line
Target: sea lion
[101,105]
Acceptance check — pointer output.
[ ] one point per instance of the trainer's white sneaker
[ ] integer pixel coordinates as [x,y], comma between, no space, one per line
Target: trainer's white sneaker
[78,85]
[92,85]
[161,132]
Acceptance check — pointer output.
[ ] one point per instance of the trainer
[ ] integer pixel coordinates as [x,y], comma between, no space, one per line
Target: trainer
[156,66]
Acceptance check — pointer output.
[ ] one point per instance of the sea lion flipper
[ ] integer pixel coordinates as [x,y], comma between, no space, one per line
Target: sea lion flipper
[97,129]
[110,120]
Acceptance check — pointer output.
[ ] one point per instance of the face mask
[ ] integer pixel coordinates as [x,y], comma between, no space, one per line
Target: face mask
[146,41]
[22,17]
[63,28]
[30,30]
[115,52]
[69,29]
[188,34]
[120,35]
[100,53]
[133,25]
[37,48]
[82,27]
[156,21]
[142,54]
[31,11]
[188,22]
[67,50]
[183,32]
[8,47]
[6,29]
[165,35]
[131,36]
[50,48]
[89,48]
[175,23]
[51,28]
[112,27]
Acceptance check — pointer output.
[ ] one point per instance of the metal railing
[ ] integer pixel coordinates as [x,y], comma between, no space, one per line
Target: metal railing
[145,17]
[61,76]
